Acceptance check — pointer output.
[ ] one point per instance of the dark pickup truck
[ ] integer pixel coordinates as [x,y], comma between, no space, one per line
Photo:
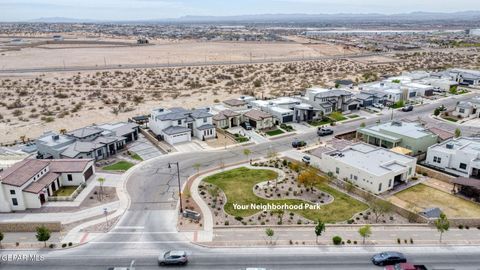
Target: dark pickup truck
[324,132]
[406,266]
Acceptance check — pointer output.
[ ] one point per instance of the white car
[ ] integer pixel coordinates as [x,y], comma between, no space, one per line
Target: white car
[378,105]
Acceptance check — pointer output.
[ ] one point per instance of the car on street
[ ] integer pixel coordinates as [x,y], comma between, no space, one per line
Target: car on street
[324,131]
[388,258]
[406,266]
[173,257]
[246,125]
[298,143]
[378,105]
[407,108]
[306,160]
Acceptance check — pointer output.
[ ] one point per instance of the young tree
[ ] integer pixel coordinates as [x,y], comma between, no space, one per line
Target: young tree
[319,229]
[1,239]
[279,214]
[458,133]
[101,180]
[247,153]
[362,125]
[379,207]
[365,232]
[270,233]
[43,234]
[309,178]
[442,224]
[349,186]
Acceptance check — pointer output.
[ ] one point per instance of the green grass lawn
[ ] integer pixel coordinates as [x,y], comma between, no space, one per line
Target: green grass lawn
[136,156]
[65,191]
[274,132]
[423,196]
[337,116]
[449,119]
[119,166]
[240,138]
[352,116]
[324,121]
[238,185]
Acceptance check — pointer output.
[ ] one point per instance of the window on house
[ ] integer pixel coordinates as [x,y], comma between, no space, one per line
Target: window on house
[380,187]
[355,177]
[461,110]
[337,170]
[99,152]
[439,160]
[69,177]
[179,122]
[204,120]
[389,182]
[409,171]
[14,201]
[12,191]
[463,166]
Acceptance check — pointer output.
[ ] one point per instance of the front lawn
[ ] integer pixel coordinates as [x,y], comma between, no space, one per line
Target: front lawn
[240,138]
[119,166]
[238,184]
[324,121]
[353,116]
[337,116]
[65,191]
[451,119]
[422,196]
[135,156]
[274,132]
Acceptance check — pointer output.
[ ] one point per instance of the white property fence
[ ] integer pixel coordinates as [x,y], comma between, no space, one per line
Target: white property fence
[68,198]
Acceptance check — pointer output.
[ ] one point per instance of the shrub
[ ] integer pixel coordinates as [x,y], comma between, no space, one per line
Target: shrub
[64,245]
[51,246]
[460,227]
[337,240]
[348,241]
[398,241]
[355,242]
[467,227]
[411,241]
[226,223]
[70,244]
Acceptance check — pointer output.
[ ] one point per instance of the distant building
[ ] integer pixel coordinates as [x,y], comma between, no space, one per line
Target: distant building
[372,168]
[31,182]
[409,135]
[58,38]
[142,41]
[458,156]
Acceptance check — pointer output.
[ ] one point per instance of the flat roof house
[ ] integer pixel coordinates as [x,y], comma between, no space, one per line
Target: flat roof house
[468,108]
[91,142]
[330,100]
[176,125]
[410,135]
[458,156]
[372,168]
[31,182]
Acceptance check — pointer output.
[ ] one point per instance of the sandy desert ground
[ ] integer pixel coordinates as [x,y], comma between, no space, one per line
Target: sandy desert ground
[31,104]
[161,52]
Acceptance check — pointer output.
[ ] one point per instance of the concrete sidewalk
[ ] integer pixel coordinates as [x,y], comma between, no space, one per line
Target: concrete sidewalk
[381,235]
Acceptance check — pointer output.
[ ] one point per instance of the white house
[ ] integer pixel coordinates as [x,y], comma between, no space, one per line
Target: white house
[372,168]
[30,183]
[468,108]
[178,125]
[459,156]
[330,100]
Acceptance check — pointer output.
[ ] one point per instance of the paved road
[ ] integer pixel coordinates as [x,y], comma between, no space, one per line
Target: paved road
[149,224]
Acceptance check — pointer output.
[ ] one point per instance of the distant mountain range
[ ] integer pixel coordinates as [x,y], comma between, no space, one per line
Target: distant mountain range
[293,18]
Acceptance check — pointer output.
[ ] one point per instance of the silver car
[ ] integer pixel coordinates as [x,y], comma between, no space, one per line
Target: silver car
[176,257]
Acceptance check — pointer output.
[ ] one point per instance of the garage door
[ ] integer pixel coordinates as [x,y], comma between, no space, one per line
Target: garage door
[287,119]
[88,173]
[179,138]
[352,107]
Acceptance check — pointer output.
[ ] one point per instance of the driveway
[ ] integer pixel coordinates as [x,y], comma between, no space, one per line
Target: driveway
[144,148]
[188,147]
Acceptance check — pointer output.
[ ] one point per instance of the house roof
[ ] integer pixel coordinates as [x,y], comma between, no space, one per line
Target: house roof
[206,126]
[172,130]
[470,182]
[38,186]
[222,115]
[257,115]
[121,128]
[85,132]
[442,134]
[21,172]
[234,102]
[178,113]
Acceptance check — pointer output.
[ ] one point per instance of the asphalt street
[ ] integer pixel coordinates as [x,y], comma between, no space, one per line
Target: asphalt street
[148,226]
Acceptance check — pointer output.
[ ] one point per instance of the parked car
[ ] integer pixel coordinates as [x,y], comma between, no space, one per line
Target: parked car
[324,131]
[388,258]
[378,105]
[246,125]
[297,144]
[406,266]
[407,108]
[306,159]
[173,257]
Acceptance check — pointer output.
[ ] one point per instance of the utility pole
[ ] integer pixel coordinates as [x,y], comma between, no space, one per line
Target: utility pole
[178,179]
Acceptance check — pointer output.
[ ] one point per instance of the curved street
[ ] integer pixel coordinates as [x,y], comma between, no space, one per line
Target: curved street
[149,224]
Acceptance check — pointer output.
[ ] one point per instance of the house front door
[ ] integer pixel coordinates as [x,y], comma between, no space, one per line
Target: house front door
[190,126]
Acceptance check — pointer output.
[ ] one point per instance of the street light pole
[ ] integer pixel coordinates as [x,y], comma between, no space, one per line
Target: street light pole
[179,187]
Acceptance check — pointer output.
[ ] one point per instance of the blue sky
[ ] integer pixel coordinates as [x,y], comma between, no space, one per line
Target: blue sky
[17,10]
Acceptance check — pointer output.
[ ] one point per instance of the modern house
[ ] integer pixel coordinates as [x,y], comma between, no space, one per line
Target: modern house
[227,119]
[176,125]
[372,168]
[31,182]
[259,119]
[465,76]
[409,135]
[468,108]
[368,98]
[458,156]
[92,142]
[330,100]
